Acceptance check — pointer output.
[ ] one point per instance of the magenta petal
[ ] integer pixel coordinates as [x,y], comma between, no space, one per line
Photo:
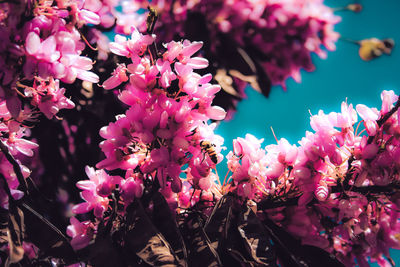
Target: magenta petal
[111,83]
[206,78]
[80,241]
[198,63]
[89,17]
[32,43]
[86,185]
[14,106]
[191,49]
[182,70]
[118,49]
[88,76]
[366,113]
[216,113]
[83,63]
[82,208]
[49,49]
[16,194]
[99,211]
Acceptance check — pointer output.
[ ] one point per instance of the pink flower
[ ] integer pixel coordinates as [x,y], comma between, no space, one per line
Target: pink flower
[369,116]
[134,47]
[49,98]
[118,76]
[96,191]
[81,233]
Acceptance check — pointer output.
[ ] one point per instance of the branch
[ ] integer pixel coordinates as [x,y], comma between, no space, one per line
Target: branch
[373,189]
[382,120]
[6,188]
[16,167]
[276,203]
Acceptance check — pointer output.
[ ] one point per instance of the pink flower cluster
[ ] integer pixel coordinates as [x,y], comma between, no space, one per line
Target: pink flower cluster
[282,34]
[338,175]
[13,136]
[48,97]
[44,48]
[53,49]
[161,136]
[40,44]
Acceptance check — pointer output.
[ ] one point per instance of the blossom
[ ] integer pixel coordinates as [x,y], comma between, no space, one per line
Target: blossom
[80,232]
[96,191]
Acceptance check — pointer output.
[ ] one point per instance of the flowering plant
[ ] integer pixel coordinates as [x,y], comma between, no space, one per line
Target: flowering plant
[153,196]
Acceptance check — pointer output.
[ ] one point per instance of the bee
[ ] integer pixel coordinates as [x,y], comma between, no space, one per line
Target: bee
[373,48]
[151,19]
[209,148]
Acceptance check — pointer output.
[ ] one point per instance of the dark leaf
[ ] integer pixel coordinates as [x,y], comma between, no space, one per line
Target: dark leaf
[233,57]
[226,82]
[201,253]
[232,249]
[319,257]
[166,224]
[144,239]
[15,234]
[222,230]
[216,227]
[291,253]
[257,239]
[103,253]
[50,240]
[243,65]
[3,226]
[263,82]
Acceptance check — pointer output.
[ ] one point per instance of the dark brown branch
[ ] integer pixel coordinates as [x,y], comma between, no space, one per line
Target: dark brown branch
[6,188]
[274,203]
[373,189]
[16,167]
[382,120]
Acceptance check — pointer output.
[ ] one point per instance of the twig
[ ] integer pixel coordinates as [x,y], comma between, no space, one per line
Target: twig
[16,167]
[6,188]
[382,120]
[374,189]
[273,203]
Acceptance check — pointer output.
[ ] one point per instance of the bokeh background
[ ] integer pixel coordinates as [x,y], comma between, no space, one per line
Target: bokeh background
[342,75]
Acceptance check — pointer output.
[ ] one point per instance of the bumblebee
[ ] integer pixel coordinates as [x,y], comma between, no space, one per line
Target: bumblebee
[373,48]
[209,148]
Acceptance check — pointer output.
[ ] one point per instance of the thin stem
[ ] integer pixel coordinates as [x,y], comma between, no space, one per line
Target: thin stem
[349,40]
[349,7]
